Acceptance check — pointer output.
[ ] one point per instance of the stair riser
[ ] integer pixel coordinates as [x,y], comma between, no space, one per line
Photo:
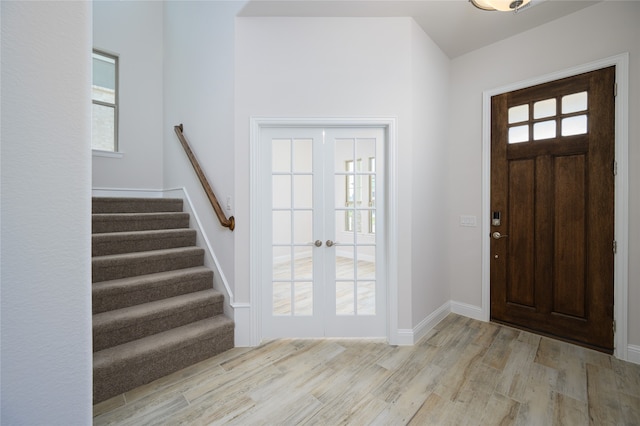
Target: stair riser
[139,328]
[144,292]
[135,205]
[117,378]
[113,270]
[104,245]
[104,224]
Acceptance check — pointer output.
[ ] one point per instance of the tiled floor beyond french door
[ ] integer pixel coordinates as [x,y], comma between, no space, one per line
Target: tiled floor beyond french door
[344,298]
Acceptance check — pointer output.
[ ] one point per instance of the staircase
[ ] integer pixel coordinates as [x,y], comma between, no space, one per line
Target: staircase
[154,307]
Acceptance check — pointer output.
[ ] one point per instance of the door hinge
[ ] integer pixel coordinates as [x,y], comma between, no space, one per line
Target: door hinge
[614,326]
[615,168]
[615,89]
[615,247]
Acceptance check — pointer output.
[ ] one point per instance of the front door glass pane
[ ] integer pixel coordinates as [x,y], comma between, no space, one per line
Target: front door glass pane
[546,108]
[544,130]
[518,114]
[574,125]
[574,102]
[519,134]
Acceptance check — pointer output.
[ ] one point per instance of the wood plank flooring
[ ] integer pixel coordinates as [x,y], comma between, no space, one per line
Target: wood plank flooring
[464,372]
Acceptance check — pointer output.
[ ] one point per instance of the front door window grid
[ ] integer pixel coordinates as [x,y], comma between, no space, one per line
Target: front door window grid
[564,115]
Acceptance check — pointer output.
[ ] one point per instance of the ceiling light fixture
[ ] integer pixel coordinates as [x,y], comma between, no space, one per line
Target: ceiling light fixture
[501,5]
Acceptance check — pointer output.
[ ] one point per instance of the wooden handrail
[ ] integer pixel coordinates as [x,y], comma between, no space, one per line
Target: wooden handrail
[227,223]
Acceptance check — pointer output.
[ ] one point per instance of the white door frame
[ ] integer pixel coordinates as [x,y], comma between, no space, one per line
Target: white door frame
[621,262]
[257,257]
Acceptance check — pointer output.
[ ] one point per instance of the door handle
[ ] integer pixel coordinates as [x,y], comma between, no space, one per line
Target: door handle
[496,235]
[318,243]
[330,243]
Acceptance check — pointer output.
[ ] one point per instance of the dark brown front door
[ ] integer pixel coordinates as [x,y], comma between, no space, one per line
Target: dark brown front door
[552,201]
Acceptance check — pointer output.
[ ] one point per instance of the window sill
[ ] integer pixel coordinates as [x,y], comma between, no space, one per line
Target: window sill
[108,154]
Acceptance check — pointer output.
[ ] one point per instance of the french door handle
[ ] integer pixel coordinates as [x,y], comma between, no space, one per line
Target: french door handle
[330,243]
[496,235]
[318,243]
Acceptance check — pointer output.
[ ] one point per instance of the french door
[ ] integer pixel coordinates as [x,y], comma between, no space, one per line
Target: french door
[322,220]
[552,201]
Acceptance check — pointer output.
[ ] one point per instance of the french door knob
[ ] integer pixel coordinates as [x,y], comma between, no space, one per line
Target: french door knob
[329,243]
[318,243]
[496,235]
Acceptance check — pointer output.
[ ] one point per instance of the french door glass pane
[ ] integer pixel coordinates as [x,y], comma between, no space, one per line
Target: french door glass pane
[365,149]
[303,226]
[366,291]
[345,226]
[303,263]
[345,265]
[281,194]
[303,191]
[303,302]
[292,226]
[281,263]
[281,227]
[345,298]
[281,298]
[281,155]
[302,155]
[366,268]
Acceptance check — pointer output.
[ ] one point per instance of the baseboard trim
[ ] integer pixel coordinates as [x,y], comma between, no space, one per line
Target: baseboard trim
[242,319]
[128,192]
[467,310]
[211,261]
[408,337]
[633,354]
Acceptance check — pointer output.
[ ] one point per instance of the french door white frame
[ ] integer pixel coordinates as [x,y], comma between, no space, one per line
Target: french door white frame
[621,262]
[257,257]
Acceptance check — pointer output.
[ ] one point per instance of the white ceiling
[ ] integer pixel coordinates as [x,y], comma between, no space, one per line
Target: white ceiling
[455,25]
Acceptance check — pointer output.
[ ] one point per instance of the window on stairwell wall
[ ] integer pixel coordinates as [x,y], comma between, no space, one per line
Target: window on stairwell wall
[104,95]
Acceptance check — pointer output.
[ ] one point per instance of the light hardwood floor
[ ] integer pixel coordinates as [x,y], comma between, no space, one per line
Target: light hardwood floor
[464,372]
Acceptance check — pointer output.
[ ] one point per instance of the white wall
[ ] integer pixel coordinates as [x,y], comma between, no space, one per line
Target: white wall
[46,188]
[430,97]
[337,67]
[133,31]
[199,89]
[594,33]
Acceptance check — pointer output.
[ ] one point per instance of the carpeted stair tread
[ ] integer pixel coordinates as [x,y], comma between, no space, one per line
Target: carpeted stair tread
[117,266]
[123,325]
[130,291]
[155,310]
[124,222]
[134,241]
[124,367]
[135,205]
